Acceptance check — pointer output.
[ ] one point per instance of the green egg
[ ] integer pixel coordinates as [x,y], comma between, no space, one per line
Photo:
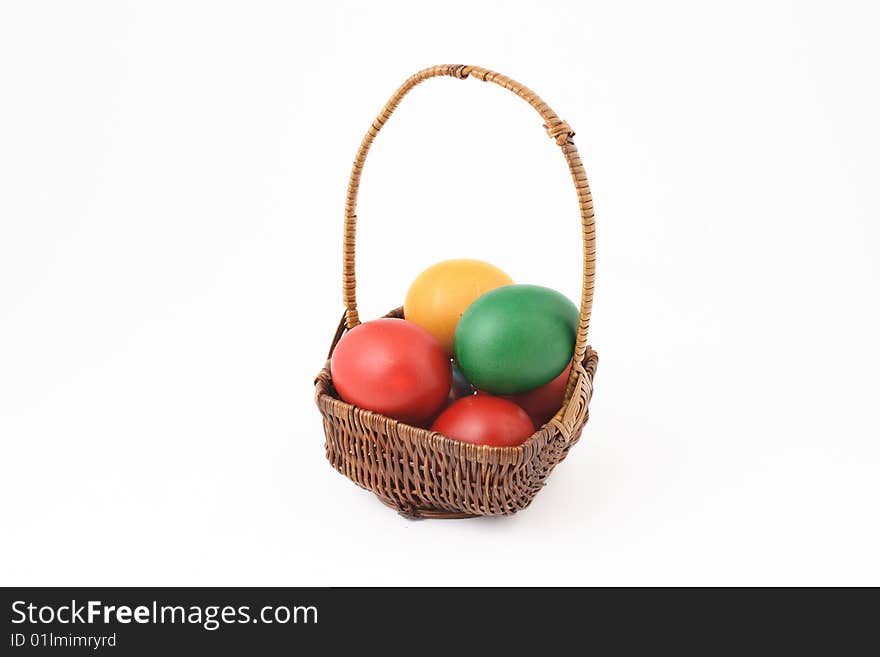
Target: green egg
[516,338]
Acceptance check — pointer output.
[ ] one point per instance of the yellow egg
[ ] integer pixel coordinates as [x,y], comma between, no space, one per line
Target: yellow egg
[441,293]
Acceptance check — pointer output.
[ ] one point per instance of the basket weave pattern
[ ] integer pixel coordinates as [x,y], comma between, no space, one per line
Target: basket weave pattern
[423,474]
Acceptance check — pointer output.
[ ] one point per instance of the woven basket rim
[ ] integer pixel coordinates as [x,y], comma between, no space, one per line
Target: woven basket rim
[325,395]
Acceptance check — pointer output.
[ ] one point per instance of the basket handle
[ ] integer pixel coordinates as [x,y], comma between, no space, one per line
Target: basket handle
[556,128]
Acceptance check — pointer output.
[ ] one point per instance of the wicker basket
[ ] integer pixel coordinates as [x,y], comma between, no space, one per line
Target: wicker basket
[421,473]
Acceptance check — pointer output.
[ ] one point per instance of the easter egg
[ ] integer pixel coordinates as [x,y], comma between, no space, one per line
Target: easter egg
[392,367]
[484,419]
[441,293]
[461,387]
[542,403]
[516,338]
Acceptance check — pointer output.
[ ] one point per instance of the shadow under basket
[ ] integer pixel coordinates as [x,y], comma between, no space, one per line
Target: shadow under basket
[421,473]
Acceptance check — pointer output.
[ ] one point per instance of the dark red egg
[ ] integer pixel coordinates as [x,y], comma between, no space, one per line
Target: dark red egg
[542,403]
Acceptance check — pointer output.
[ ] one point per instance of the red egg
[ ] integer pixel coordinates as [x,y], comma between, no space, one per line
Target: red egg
[393,367]
[484,419]
[542,403]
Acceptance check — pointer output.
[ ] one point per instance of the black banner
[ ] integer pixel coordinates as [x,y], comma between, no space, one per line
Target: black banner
[151,621]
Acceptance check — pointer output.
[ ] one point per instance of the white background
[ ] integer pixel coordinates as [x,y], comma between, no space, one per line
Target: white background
[172,177]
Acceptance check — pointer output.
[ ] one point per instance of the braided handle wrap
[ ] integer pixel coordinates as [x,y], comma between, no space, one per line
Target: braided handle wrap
[556,128]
